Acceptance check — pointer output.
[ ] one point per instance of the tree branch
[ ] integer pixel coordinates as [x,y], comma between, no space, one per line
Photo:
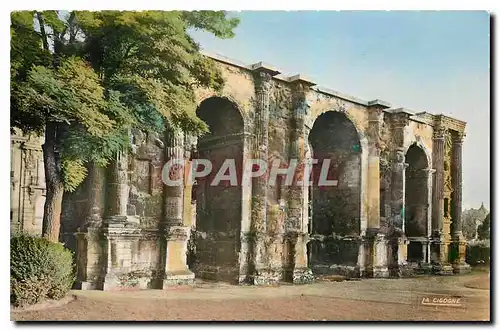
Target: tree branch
[42,31]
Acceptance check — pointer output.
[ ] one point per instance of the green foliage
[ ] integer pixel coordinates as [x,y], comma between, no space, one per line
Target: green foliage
[483,230]
[98,74]
[39,269]
[74,172]
[478,252]
[212,21]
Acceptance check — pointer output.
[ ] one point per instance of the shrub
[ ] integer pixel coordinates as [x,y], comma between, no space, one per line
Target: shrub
[39,269]
[478,252]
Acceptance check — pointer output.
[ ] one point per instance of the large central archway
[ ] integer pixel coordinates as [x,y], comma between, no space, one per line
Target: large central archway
[336,210]
[219,205]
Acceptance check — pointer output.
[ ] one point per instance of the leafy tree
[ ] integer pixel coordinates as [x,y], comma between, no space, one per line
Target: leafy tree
[84,79]
[483,230]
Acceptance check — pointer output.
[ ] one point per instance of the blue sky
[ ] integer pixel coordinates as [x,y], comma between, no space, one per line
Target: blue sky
[427,61]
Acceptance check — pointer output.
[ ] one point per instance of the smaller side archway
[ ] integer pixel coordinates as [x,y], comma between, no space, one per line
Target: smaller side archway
[417,207]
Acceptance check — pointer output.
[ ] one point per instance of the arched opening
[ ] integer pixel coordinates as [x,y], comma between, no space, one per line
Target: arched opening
[219,203]
[416,202]
[335,208]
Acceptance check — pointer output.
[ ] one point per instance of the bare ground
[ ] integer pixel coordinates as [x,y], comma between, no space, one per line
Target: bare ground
[371,299]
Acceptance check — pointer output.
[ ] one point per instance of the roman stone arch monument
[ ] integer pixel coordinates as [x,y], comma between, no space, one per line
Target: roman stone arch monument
[396,207]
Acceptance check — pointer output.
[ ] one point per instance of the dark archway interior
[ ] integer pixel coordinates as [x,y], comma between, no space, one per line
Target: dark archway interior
[416,192]
[335,209]
[218,207]
[416,204]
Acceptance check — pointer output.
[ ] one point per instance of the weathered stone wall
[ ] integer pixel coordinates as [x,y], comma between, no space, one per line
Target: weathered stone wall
[27,178]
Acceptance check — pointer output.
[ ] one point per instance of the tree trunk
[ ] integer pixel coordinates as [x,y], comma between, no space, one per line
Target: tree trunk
[54,184]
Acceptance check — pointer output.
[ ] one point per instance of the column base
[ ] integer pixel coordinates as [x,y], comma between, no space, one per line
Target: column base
[87,286]
[461,268]
[426,268]
[443,269]
[380,272]
[303,276]
[178,278]
[126,281]
[267,277]
[401,271]
[380,267]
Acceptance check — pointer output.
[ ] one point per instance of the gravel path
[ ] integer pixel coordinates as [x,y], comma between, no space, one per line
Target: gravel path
[370,299]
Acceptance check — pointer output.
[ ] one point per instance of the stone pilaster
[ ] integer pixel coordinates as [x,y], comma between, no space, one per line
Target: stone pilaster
[176,234]
[297,192]
[438,183]
[263,84]
[398,241]
[456,181]
[297,152]
[375,119]
[378,264]
[440,240]
[459,242]
[398,185]
[426,246]
[399,123]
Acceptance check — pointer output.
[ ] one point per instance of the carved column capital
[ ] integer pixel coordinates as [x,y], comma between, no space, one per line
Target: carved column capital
[375,115]
[458,139]
[439,132]
[263,81]
[400,120]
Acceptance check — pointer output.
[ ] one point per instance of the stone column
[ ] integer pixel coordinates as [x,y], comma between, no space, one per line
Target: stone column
[438,183]
[174,194]
[296,194]
[459,265]
[119,231]
[429,173]
[118,186]
[176,234]
[399,242]
[456,182]
[95,195]
[398,185]
[297,152]
[263,84]
[439,251]
[399,123]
